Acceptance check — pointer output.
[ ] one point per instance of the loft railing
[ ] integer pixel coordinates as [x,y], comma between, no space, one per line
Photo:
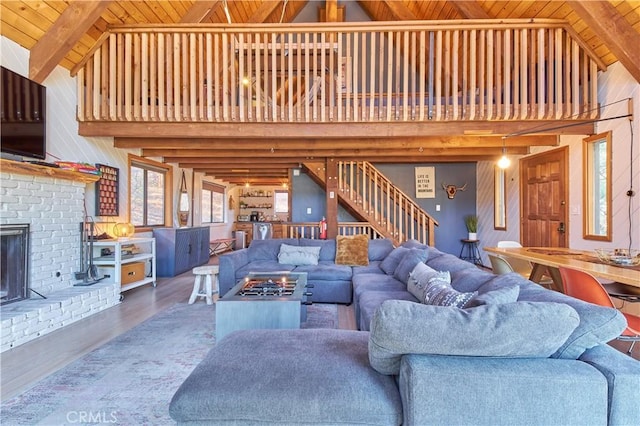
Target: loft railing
[351,72]
[312,230]
[392,212]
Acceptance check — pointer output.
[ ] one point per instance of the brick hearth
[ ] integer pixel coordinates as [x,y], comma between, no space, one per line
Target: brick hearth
[54,209]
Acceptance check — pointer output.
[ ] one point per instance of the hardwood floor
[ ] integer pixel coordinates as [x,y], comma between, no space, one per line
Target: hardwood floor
[24,366]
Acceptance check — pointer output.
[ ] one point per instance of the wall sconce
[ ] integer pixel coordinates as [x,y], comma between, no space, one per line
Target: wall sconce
[123,230]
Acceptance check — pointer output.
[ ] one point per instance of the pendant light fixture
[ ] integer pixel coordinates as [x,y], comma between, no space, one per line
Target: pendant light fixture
[504,161]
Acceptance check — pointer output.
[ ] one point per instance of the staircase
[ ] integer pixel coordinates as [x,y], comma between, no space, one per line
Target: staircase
[370,196]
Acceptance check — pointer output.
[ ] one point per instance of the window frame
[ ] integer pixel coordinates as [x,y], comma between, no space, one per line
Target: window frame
[167,170]
[589,207]
[218,189]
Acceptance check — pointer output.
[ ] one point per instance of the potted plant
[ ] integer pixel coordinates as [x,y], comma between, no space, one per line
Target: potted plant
[471,221]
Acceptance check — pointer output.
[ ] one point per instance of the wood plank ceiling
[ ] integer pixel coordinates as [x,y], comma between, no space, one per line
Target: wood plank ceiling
[61,33]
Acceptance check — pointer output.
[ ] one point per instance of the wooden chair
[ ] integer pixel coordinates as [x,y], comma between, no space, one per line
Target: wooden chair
[585,286]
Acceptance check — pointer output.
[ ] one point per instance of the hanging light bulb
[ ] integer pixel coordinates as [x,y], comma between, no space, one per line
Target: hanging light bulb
[504,161]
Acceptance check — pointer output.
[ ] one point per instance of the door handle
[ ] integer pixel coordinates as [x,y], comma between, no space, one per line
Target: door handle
[561,227]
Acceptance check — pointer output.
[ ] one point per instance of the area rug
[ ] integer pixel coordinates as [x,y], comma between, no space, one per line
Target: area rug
[131,379]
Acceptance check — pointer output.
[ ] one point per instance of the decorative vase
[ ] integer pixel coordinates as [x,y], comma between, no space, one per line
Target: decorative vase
[473,236]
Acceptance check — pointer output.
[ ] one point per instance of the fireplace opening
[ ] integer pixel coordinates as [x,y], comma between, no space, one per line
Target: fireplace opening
[14,261]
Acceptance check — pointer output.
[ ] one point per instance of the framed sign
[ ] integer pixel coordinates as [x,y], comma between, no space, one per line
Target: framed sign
[107,191]
[425,182]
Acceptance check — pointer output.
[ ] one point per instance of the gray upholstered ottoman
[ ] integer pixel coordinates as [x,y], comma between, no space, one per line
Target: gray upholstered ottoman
[288,377]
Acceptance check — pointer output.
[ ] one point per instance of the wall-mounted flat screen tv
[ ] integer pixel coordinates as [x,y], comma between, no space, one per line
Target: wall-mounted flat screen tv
[23,116]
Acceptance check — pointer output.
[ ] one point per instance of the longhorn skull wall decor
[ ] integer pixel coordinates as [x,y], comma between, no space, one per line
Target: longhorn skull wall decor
[452,189]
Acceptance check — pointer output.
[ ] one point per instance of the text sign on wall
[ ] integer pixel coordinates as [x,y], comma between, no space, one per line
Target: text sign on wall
[425,182]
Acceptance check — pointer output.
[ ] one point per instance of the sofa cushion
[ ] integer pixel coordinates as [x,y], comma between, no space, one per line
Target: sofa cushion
[372,268]
[296,255]
[379,248]
[493,293]
[327,247]
[408,263]
[514,330]
[598,324]
[326,270]
[370,301]
[470,279]
[449,262]
[352,250]
[268,249]
[392,260]
[288,377]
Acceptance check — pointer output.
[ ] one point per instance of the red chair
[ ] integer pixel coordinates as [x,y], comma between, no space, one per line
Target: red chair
[585,286]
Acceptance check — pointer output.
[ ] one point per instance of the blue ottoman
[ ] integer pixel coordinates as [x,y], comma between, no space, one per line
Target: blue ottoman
[288,377]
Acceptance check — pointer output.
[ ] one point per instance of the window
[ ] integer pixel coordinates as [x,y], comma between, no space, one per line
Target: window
[149,192]
[281,201]
[596,153]
[212,203]
[500,200]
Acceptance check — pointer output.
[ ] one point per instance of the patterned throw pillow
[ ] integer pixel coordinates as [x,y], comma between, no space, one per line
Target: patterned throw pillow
[438,291]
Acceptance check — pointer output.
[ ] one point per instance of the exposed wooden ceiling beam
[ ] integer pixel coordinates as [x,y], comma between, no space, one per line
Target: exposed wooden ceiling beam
[353,143]
[54,45]
[332,130]
[617,34]
[262,13]
[172,155]
[470,9]
[400,11]
[200,11]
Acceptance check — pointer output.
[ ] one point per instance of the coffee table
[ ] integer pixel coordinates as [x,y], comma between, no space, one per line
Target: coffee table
[263,300]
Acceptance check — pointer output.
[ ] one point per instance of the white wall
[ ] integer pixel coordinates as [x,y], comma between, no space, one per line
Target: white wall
[615,84]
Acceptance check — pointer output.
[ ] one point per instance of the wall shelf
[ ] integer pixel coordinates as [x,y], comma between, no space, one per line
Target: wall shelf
[10,166]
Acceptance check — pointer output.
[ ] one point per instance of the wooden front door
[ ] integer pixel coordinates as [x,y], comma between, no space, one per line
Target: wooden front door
[544,203]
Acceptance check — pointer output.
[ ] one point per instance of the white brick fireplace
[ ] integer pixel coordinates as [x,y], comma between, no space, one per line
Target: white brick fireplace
[54,209]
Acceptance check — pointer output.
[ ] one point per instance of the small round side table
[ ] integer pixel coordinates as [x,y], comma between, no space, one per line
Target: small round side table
[472,253]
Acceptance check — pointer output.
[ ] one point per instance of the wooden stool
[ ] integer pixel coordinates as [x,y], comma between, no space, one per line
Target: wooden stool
[210,274]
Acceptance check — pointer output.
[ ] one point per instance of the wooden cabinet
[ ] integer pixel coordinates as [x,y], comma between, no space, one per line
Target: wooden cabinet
[130,262]
[181,249]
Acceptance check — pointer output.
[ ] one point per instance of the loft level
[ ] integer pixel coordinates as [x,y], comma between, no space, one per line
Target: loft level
[424,71]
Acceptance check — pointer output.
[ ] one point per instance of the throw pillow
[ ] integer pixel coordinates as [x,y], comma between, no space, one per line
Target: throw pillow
[408,263]
[352,250]
[297,255]
[438,291]
[420,276]
[392,260]
[513,330]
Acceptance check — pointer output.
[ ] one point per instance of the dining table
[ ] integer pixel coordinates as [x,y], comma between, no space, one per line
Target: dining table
[547,260]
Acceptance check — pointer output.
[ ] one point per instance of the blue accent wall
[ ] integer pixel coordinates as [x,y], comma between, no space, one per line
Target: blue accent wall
[305,193]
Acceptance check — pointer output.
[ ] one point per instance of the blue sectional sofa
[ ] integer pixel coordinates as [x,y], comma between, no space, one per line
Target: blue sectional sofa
[515,353]
[332,283]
